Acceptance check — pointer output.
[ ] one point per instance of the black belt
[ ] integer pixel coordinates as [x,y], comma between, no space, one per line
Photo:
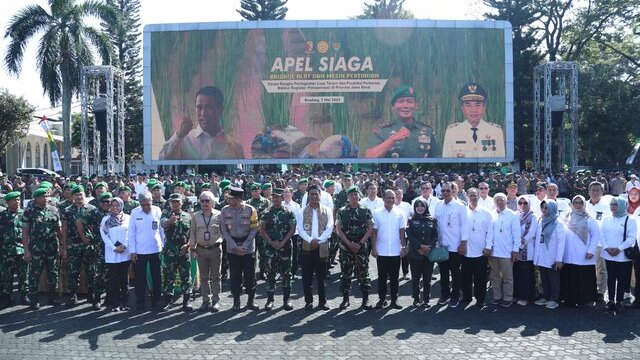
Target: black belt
[209,247]
[239,240]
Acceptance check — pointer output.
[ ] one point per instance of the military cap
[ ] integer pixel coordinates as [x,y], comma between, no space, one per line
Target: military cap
[303,181]
[100,184]
[347,176]
[151,183]
[353,189]
[236,191]
[255,186]
[328,183]
[277,192]
[77,189]
[179,184]
[12,195]
[40,192]
[69,186]
[106,196]
[368,184]
[176,197]
[155,186]
[266,186]
[45,185]
[205,186]
[226,188]
[403,91]
[125,188]
[313,187]
[191,175]
[472,92]
[224,183]
[512,184]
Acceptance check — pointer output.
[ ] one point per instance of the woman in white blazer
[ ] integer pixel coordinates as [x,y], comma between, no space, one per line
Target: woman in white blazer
[114,230]
[548,253]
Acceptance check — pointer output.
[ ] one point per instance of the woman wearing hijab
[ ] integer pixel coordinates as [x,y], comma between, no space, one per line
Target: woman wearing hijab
[548,253]
[422,233]
[114,230]
[633,198]
[523,271]
[578,275]
[614,240]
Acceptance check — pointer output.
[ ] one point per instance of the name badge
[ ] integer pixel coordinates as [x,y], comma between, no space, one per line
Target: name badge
[207,236]
[154,225]
[599,215]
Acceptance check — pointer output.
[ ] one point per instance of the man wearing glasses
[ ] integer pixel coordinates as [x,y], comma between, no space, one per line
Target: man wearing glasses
[426,195]
[598,208]
[485,201]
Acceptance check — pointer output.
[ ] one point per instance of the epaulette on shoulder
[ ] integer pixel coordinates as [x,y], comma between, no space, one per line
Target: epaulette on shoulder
[495,125]
[453,125]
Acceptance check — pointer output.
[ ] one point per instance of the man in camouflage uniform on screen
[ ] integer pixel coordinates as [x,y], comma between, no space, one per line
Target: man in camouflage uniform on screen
[277,226]
[354,226]
[41,231]
[11,251]
[177,224]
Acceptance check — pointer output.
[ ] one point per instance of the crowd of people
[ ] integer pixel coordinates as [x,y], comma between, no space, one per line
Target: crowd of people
[549,240]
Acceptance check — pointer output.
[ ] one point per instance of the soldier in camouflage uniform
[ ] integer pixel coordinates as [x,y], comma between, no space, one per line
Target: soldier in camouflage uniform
[277,226]
[11,251]
[156,194]
[88,227]
[124,193]
[41,231]
[261,205]
[98,190]
[302,189]
[67,198]
[80,253]
[180,188]
[354,226]
[177,224]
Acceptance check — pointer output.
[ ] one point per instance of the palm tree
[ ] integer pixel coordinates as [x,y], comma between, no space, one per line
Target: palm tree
[64,48]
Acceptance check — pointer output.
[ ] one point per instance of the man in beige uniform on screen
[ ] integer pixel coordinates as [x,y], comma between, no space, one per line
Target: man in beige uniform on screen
[207,140]
[473,137]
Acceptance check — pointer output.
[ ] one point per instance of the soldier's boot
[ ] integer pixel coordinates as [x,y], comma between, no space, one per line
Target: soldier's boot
[250,303]
[34,302]
[24,298]
[285,299]
[236,303]
[4,300]
[185,302]
[73,299]
[269,305]
[96,302]
[167,302]
[345,300]
[365,301]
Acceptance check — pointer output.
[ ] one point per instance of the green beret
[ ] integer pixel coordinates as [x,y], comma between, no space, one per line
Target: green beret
[472,92]
[226,188]
[40,192]
[403,91]
[205,186]
[155,186]
[12,195]
[303,181]
[353,189]
[77,189]
[100,184]
[224,183]
[255,186]
[179,184]
[45,185]
[106,196]
[266,186]
[125,188]
[347,176]
[151,183]
[85,177]
[277,192]
[328,183]
[69,185]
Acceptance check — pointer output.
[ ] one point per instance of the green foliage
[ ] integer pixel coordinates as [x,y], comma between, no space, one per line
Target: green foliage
[385,9]
[15,115]
[263,9]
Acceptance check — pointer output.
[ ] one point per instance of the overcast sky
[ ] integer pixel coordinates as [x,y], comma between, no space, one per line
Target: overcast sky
[27,84]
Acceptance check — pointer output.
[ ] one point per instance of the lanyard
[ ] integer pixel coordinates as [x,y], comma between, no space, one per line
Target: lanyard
[207,222]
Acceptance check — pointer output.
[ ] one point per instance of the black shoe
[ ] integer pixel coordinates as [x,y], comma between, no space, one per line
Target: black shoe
[381,304]
[215,306]
[186,307]
[24,299]
[426,305]
[417,302]
[236,304]
[618,307]
[324,306]
[453,303]
[394,305]
[610,306]
[73,300]
[600,298]
[269,305]
[250,303]
[286,301]
[365,301]
[345,301]
[124,307]
[204,306]
[308,306]
[167,303]
[35,305]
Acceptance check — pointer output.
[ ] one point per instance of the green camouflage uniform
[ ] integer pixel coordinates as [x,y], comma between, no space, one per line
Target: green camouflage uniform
[176,236]
[261,205]
[159,203]
[43,244]
[354,223]
[130,205]
[91,218]
[80,254]
[339,200]
[11,252]
[277,222]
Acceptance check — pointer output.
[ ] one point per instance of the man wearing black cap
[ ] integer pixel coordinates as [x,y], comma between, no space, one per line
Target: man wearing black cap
[405,137]
[473,137]
[239,228]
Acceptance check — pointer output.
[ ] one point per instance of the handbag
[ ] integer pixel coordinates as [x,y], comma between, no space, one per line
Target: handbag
[631,252]
[438,254]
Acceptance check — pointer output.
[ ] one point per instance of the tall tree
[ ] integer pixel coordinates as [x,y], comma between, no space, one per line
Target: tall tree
[385,9]
[15,116]
[263,9]
[523,15]
[125,37]
[66,45]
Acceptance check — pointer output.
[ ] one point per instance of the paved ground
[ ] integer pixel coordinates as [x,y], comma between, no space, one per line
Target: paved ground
[436,333]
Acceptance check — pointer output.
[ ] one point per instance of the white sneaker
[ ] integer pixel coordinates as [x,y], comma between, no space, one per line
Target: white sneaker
[541,302]
[523,302]
[552,305]
[627,295]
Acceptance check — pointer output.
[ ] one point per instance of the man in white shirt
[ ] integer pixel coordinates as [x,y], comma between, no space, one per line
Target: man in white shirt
[633,182]
[474,262]
[427,196]
[485,200]
[388,245]
[453,233]
[146,239]
[563,207]
[598,208]
[325,198]
[314,225]
[295,208]
[506,244]
[372,201]
[538,198]
[140,185]
[406,210]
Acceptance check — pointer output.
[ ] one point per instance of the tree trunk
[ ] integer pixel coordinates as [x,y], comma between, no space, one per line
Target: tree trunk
[66,116]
